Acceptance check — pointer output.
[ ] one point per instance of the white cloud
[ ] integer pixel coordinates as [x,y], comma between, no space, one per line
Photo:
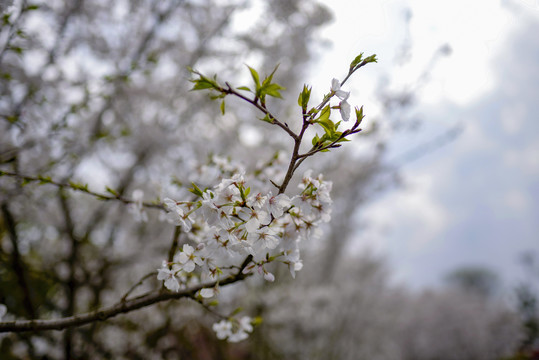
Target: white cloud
[411,215]
[526,160]
[512,117]
[516,201]
[474,29]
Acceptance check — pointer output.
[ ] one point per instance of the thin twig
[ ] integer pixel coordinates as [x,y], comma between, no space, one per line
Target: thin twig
[79,188]
[124,298]
[230,90]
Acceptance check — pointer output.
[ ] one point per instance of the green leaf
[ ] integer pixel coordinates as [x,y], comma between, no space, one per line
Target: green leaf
[79,186]
[236,311]
[5,19]
[267,119]
[335,136]
[112,191]
[316,140]
[195,190]
[243,192]
[326,112]
[204,82]
[244,88]
[356,61]
[218,96]
[257,321]
[255,76]
[12,118]
[359,115]
[16,49]
[223,107]
[44,179]
[329,127]
[152,57]
[268,78]
[271,90]
[371,58]
[304,96]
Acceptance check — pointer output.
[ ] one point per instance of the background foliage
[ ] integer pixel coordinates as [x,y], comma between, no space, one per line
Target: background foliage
[97,93]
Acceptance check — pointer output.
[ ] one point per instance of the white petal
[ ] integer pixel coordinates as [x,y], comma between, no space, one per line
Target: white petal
[269,277]
[169,204]
[245,324]
[345,110]
[163,274]
[237,337]
[188,249]
[252,225]
[263,217]
[172,284]
[341,94]
[189,266]
[207,293]
[335,85]
[183,258]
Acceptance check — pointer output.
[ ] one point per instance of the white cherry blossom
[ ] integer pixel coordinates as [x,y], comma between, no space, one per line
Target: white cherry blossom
[188,259]
[344,106]
[278,204]
[223,329]
[264,238]
[254,218]
[169,276]
[177,215]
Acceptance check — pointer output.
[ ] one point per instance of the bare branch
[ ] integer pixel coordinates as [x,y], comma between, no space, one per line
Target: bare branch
[77,187]
[122,307]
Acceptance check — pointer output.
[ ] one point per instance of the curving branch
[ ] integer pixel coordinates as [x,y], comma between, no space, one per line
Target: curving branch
[121,307]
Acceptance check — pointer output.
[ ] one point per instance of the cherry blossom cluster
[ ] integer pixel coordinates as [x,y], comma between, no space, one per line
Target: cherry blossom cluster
[233,230]
[230,222]
[233,330]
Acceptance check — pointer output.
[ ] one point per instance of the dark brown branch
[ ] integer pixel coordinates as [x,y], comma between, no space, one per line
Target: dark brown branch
[71,285]
[230,90]
[123,307]
[17,263]
[174,244]
[295,156]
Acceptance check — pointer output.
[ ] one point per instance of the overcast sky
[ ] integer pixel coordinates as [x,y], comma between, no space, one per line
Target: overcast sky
[474,201]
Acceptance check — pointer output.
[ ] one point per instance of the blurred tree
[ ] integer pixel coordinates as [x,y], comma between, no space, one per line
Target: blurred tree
[97,93]
[475,280]
[528,306]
